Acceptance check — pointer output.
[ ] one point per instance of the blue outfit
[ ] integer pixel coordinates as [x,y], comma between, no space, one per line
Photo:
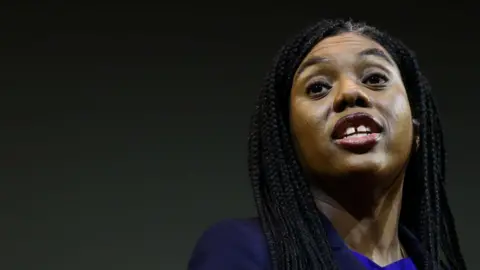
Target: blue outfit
[239,244]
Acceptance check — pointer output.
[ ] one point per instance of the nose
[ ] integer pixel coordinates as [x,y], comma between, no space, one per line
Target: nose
[350,95]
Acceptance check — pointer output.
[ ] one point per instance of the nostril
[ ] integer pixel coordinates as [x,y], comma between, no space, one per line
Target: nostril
[340,106]
[360,102]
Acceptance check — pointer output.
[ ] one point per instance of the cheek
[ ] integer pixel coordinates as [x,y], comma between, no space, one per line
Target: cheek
[400,108]
[301,124]
[308,128]
[298,114]
[307,115]
[399,118]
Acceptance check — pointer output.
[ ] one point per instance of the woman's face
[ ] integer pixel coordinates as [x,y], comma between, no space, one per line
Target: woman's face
[350,114]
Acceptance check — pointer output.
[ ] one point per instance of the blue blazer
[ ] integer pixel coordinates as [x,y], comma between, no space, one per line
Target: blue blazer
[239,244]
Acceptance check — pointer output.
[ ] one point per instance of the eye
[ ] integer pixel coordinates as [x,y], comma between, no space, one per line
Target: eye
[318,89]
[375,79]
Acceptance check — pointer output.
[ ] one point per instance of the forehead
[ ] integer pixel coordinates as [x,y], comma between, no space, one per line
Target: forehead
[344,44]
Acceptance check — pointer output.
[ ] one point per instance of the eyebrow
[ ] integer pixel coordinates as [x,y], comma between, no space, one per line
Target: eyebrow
[368,52]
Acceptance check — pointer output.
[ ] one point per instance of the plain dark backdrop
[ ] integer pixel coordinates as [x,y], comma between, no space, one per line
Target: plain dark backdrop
[124,126]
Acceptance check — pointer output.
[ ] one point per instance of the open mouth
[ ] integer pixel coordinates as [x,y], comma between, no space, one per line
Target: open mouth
[358,132]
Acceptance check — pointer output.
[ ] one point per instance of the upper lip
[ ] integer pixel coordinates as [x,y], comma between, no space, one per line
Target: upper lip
[355,120]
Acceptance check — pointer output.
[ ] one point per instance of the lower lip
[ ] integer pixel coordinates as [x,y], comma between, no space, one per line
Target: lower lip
[359,143]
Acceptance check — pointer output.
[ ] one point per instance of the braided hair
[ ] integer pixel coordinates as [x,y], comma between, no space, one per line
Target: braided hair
[289,217]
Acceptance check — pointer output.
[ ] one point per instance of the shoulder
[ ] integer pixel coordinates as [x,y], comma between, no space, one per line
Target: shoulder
[231,244]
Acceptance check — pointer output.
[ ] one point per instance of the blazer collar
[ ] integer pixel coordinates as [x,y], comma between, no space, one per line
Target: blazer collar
[347,261]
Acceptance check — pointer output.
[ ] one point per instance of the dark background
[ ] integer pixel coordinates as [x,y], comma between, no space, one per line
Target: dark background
[124,127]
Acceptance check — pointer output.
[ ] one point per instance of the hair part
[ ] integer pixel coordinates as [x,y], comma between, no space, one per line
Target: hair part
[290,219]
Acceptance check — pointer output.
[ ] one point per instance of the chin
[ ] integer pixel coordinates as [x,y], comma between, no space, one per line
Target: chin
[368,164]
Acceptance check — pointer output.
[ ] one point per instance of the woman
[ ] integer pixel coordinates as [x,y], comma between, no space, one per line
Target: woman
[346,161]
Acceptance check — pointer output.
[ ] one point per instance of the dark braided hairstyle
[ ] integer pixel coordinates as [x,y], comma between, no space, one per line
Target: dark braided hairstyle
[290,219]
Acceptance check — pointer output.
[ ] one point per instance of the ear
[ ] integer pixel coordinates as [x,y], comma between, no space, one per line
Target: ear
[416,133]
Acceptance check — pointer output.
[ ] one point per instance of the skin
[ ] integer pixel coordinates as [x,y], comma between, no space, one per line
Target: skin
[359,193]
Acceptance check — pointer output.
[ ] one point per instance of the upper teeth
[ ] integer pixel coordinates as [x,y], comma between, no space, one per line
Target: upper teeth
[352,130]
[362,129]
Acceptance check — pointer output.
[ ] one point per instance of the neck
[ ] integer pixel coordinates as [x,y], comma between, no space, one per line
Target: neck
[367,221]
